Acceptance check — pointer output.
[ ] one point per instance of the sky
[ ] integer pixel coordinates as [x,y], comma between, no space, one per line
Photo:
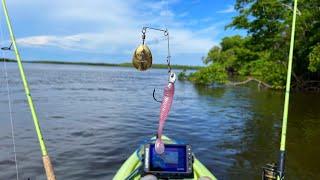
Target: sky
[108,31]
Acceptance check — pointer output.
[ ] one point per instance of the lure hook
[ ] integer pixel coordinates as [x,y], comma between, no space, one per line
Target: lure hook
[154,90]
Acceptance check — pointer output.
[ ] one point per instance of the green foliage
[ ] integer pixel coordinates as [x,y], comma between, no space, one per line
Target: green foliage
[209,74]
[314,59]
[232,53]
[268,22]
[182,75]
[235,56]
[263,53]
[213,55]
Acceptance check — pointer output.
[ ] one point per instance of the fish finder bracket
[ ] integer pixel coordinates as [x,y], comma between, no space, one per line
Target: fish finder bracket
[176,161]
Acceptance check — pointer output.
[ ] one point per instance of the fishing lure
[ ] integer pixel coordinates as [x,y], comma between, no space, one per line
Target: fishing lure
[142,58]
[164,110]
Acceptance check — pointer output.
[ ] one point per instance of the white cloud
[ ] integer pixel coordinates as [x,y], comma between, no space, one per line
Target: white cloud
[195,1]
[229,9]
[108,42]
[114,26]
[166,13]
[184,14]
[182,41]
[37,40]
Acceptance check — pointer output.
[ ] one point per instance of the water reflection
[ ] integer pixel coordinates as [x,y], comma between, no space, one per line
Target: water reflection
[216,92]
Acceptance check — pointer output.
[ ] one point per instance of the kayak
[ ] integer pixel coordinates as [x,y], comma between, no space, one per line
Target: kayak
[133,163]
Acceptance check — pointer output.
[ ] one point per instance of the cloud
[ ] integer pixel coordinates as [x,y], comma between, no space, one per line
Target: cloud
[195,1]
[112,27]
[183,14]
[108,42]
[229,9]
[182,41]
[37,40]
[167,13]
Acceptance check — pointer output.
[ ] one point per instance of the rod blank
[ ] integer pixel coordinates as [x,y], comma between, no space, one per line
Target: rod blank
[46,160]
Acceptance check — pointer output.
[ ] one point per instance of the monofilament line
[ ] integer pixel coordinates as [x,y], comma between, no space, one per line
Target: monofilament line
[9,105]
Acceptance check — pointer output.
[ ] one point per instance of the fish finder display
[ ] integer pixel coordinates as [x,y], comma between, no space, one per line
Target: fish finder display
[175,162]
[172,160]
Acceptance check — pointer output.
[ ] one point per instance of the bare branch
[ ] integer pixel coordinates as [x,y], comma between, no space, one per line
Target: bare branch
[249,80]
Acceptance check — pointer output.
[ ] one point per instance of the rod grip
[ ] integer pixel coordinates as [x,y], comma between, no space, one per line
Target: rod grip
[48,168]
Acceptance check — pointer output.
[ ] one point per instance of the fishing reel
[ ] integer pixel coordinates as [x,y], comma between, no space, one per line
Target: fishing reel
[270,171]
[142,57]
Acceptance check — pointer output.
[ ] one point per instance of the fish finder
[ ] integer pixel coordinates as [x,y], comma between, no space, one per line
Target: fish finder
[176,161]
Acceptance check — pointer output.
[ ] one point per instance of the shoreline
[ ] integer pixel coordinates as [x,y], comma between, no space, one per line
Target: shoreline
[155,66]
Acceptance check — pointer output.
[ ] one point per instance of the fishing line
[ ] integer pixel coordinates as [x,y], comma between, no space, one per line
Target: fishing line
[9,105]
[167,35]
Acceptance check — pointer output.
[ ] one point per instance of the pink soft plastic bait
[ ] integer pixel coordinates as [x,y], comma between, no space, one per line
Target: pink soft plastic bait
[164,110]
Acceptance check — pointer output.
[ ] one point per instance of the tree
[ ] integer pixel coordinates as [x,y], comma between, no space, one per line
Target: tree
[263,54]
[268,22]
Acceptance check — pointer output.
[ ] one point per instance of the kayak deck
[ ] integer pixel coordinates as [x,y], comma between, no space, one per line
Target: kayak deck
[134,162]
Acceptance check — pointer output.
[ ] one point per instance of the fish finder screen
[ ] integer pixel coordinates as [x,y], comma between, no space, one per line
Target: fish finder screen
[172,160]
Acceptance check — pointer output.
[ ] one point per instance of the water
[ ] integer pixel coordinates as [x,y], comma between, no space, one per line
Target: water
[93,118]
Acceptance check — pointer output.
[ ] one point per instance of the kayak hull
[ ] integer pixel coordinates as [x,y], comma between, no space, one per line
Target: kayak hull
[133,162]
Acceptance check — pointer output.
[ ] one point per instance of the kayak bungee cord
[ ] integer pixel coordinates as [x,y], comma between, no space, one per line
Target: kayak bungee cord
[287,96]
[45,156]
[277,171]
[9,102]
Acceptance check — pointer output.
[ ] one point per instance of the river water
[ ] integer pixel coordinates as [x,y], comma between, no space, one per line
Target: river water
[93,118]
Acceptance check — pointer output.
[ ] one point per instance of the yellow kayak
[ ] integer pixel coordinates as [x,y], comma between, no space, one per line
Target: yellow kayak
[134,162]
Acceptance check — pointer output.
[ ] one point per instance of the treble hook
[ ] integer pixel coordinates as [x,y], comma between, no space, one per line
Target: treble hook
[154,90]
[7,48]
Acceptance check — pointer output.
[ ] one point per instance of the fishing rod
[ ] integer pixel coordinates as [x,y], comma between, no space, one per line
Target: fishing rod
[270,171]
[45,156]
[287,97]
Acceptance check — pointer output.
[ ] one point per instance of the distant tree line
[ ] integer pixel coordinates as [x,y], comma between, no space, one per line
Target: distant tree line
[156,66]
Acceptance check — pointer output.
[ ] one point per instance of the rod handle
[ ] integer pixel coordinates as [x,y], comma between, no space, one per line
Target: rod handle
[48,168]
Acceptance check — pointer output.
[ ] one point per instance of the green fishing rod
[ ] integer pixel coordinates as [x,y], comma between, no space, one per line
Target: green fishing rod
[281,163]
[45,157]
